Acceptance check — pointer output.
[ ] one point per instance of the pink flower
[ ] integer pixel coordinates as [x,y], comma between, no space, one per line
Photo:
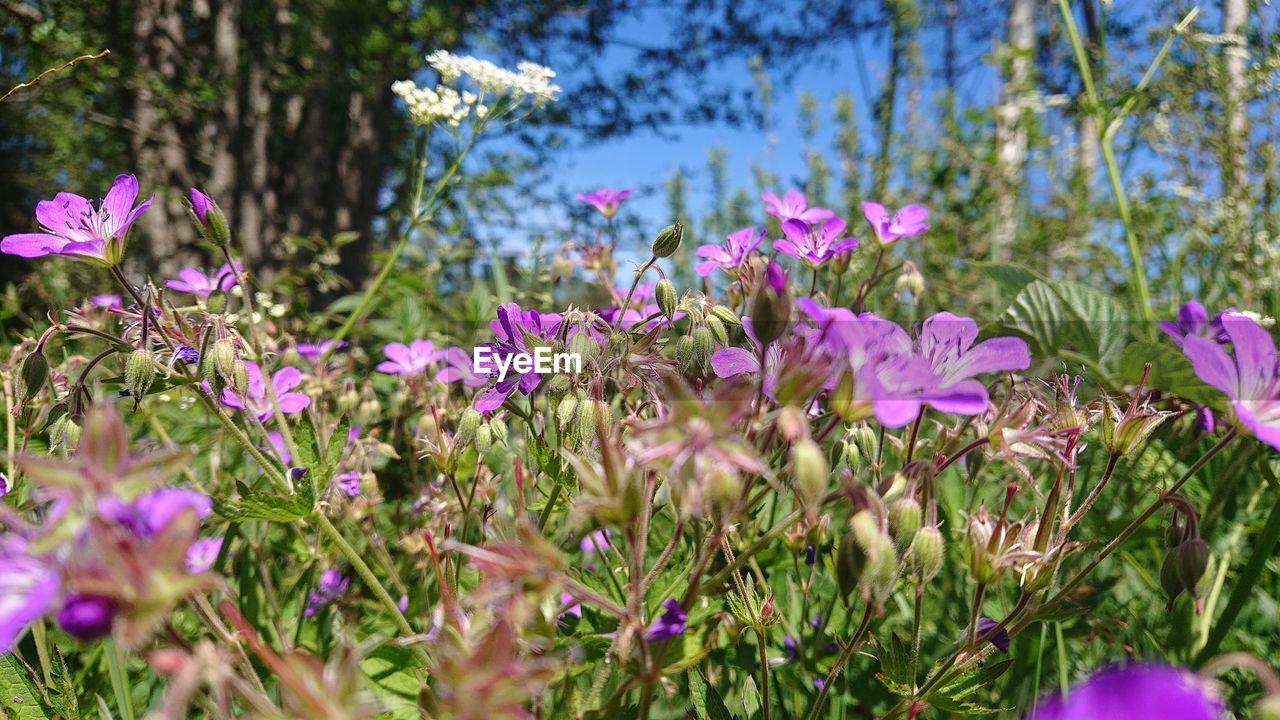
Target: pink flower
[282,383]
[605,200]
[815,245]
[907,222]
[793,206]
[196,282]
[737,246]
[73,227]
[1250,379]
[409,359]
[458,367]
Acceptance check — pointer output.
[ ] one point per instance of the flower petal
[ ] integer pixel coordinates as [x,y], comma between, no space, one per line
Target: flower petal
[730,361]
[32,245]
[116,209]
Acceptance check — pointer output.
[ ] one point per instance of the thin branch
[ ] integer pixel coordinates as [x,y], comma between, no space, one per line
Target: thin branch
[50,71]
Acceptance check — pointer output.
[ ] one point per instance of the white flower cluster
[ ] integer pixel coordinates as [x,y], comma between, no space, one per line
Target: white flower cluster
[532,80]
[427,106]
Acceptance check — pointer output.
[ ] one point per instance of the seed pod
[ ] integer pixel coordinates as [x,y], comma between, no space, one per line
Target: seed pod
[239,380]
[558,384]
[812,475]
[686,353]
[582,345]
[1169,580]
[926,553]
[904,521]
[703,345]
[718,330]
[881,573]
[665,294]
[726,315]
[484,438]
[499,429]
[668,241]
[139,373]
[567,410]
[588,414]
[467,426]
[1173,534]
[1193,560]
[35,370]
[851,561]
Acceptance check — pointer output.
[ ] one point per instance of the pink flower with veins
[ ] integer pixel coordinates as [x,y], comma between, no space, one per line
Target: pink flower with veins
[257,401]
[907,222]
[409,359]
[793,206]
[71,226]
[605,200]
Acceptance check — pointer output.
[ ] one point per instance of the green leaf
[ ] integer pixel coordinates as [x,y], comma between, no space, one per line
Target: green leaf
[388,670]
[974,680]
[20,698]
[1069,322]
[304,436]
[895,662]
[1010,277]
[1171,372]
[264,506]
[962,707]
[707,703]
[334,452]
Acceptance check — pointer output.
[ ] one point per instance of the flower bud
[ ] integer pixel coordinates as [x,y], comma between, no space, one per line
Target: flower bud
[977,554]
[87,617]
[209,219]
[223,367]
[881,573]
[484,438]
[718,330]
[665,294]
[64,432]
[686,354]
[1169,580]
[724,487]
[851,561]
[584,346]
[668,241]
[567,410]
[467,426]
[499,430]
[1124,433]
[771,306]
[926,553]
[139,373]
[726,315]
[31,378]
[588,414]
[704,343]
[1193,560]
[910,280]
[812,475]
[904,521]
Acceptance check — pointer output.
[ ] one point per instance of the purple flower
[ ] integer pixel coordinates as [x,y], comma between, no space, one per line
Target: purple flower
[29,588]
[196,282]
[730,361]
[73,227]
[517,331]
[316,350]
[151,512]
[730,256]
[87,617]
[793,206]
[282,382]
[605,200]
[1251,380]
[1000,639]
[5,487]
[1193,319]
[907,222]
[1135,691]
[332,584]
[409,359]
[203,553]
[280,447]
[815,246]
[201,204]
[109,301]
[348,483]
[575,609]
[594,539]
[946,341]
[458,367]
[669,624]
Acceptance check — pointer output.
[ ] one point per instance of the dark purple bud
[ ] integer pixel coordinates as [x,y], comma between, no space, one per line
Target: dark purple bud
[200,204]
[186,354]
[789,643]
[1205,420]
[810,555]
[1000,639]
[668,625]
[87,617]
[776,277]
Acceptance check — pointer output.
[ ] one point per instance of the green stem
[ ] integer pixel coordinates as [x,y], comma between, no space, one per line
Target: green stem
[419,216]
[854,643]
[116,660]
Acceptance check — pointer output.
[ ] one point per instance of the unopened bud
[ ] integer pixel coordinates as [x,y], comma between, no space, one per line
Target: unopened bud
[139,373]
[35,370]
[567,410]
[1193,560]
[851,561]
[588,415]
[668,241]
[718,330]
[484,438]
[904,521]
[881,573]
[467,426]
[665,294]
[704,344]
[584,346]
[209,218]
[686,353]
[1169,580]
[926,553]
[811,473]
[726,315]
[499,430]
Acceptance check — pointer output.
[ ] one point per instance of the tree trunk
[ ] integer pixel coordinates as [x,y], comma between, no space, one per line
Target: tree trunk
[1011,130]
